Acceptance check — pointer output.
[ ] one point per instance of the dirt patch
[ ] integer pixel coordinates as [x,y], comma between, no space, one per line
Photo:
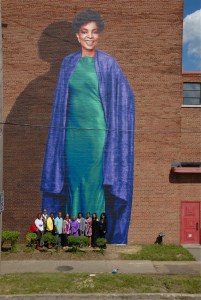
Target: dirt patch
[130,249]
[112,252]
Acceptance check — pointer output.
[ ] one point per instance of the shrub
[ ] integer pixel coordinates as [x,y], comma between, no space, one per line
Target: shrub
[101,243]
[10,236]
[77,242]
[84,241]
[48,238]
[55,240]
[31,239]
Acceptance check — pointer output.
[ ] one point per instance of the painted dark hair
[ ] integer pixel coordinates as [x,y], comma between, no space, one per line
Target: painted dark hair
[87,16]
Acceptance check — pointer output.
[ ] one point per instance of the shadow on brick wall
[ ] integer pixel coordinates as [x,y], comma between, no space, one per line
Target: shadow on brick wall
[25,134]
[184,178]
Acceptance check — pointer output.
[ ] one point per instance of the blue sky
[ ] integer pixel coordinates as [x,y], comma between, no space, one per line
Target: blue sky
[192,35]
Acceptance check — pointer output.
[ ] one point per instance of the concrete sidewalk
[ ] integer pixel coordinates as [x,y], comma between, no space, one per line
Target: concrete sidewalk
[97,266]
[195,250]
[133,296]
[100,266]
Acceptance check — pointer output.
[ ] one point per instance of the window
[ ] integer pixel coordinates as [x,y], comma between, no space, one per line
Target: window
[192,93]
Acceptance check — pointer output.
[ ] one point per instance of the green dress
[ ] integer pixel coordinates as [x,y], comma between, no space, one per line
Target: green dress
[85,139]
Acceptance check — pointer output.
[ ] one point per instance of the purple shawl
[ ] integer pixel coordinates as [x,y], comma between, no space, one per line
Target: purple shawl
[74,228]
[118,105]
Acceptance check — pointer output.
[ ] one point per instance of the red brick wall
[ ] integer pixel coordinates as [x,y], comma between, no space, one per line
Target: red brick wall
[146,39]
[190,189]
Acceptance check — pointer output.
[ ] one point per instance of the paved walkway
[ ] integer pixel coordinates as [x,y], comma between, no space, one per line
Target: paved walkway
[103,296]
[99,266]
[195,250]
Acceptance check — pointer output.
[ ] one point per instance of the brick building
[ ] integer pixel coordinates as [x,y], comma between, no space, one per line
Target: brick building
[146,39]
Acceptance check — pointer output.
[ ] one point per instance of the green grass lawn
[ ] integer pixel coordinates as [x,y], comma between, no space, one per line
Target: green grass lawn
[30,283]
[160,253]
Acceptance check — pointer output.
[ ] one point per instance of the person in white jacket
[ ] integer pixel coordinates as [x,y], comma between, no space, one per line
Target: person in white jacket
[40,227]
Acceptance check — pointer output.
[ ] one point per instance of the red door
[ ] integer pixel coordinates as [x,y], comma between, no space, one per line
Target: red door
[190,222]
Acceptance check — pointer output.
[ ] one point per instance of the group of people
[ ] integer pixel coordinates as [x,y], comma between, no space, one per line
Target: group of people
[91,227]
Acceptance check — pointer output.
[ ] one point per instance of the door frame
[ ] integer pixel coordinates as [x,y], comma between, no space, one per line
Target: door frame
[199,231]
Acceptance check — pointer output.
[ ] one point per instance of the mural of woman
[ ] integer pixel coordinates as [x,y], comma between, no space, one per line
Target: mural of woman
[91,136]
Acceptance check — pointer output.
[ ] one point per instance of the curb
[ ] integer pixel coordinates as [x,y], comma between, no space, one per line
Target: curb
[104,296]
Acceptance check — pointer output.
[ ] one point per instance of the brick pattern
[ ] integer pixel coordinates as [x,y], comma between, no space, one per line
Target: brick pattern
[190,145]
[146,39]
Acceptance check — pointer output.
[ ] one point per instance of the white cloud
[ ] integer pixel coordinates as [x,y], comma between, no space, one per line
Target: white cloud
[192,33]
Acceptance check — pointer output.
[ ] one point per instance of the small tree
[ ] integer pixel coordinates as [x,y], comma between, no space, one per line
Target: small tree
[47,238]
[55,240]
[76,242]
[31,238]
[101,244]
[12,237]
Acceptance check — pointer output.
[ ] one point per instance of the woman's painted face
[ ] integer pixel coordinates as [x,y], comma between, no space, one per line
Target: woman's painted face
[88,37]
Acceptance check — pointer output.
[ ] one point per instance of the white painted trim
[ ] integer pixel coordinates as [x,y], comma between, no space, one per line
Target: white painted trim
[185,105]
